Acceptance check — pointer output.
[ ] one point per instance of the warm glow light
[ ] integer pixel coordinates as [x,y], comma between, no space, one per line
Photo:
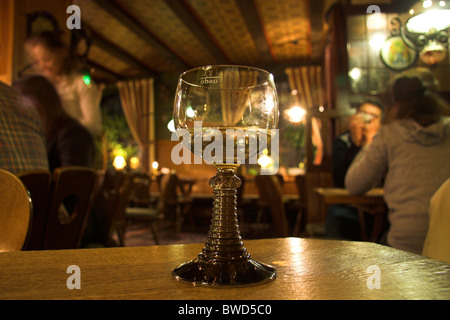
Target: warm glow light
[119,163]
[376,21]
[269,103]
[427,3]
[171,126]
[423,23]
[155,165]
[355,73]
[134,163]
[377,41]
[265,161]
[190,112]
[296,114]
[165,170]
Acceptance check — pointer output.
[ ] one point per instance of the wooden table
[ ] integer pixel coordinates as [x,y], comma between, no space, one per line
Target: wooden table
[371,202]
[307,269]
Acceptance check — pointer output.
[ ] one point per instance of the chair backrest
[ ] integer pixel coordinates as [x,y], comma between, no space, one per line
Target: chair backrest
[269,188]
[122,201]
[169,194]
[280,179]
[313,180]
[140,191]
[38,184]
[437,241]
[72,196]
[300,182]
[107,204]
[15,212]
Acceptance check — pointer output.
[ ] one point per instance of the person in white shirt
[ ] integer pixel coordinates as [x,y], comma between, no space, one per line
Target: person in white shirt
[51,59]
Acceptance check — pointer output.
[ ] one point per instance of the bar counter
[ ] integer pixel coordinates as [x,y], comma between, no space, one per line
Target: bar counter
[306,269]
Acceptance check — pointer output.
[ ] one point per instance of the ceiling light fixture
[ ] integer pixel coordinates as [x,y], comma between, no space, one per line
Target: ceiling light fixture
[426,29]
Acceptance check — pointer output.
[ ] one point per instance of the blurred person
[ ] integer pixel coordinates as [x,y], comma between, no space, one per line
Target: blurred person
[342,220]
[363,126]
[22,139]
[411,153]
[51,59]
[68,143]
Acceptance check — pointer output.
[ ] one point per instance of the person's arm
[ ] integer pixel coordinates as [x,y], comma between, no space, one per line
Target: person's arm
[343,154]
[89,104]
[356,128]
[369,167]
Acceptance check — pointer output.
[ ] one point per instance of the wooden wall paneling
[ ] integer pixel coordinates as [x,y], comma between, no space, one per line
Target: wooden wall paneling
[6,39]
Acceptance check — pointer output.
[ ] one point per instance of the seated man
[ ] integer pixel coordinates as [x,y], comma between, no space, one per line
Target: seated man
[22,141]
[342,221]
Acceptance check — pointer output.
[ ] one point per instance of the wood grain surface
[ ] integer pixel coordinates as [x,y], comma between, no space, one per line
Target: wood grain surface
[307,269]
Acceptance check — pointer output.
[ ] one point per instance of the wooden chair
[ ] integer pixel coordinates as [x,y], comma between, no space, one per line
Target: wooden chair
[38,184]
[72,195]
[263,202]
[175,198]
[147,214]
[106,206]
[437,241]
[169,202]
[140,193]
[117,209]
[300,222]
[15,212]
[270,189]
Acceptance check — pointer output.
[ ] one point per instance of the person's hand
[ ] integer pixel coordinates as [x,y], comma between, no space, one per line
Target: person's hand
[369,131]
[356,126]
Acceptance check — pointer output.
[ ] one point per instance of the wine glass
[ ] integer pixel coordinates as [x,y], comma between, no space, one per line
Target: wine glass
[223,110]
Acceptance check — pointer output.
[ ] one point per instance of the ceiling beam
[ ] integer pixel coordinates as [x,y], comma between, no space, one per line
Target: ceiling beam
[317,36]
[182,11]
[253,22]
[131,23]
[98,67]
[105,45]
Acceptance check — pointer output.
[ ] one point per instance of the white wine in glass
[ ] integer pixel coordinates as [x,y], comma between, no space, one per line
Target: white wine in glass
[233,108]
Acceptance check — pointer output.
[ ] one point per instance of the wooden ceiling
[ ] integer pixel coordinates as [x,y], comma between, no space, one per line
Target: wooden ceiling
[147,37]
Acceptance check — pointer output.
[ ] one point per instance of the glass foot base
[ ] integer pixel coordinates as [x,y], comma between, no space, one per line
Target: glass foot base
[242,272]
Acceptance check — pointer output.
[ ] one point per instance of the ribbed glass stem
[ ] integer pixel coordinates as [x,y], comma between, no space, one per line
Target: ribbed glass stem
[224,241]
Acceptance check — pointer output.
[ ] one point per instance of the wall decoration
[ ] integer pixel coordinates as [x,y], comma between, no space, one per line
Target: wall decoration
[396,55]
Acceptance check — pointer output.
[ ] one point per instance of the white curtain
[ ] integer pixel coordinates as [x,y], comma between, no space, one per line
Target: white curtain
[307,81]
[137,98]
[233,104]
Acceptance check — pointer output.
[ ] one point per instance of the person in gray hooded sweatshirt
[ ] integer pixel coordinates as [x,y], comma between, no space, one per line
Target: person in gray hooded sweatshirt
[411,152]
